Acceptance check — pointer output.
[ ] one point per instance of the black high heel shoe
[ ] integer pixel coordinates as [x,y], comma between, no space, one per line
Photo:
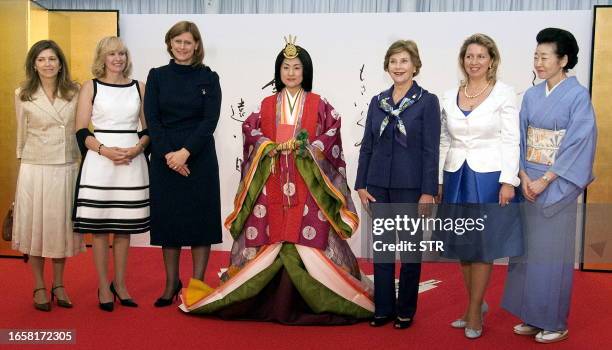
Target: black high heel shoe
[43,306]
[402,324]
[60,302]
[161,302]
[105,306]
[380,321]
[125,302]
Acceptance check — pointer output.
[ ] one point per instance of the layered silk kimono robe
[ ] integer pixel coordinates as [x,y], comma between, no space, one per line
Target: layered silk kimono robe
[289,261]
[539,283]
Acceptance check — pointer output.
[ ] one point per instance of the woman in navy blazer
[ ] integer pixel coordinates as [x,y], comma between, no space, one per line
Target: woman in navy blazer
[398,163]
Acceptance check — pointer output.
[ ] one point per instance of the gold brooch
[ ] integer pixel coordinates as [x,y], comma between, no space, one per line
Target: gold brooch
[290,51]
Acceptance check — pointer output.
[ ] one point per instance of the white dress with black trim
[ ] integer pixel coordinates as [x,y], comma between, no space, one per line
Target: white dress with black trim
[113,198]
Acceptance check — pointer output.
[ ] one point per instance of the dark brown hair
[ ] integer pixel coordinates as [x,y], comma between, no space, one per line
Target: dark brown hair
[65,87]
[187,27]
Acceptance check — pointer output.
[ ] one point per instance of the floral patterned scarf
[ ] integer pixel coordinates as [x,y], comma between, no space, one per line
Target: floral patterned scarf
[385,105]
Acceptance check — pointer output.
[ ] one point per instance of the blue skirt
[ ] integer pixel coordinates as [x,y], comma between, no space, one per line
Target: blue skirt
[472,195]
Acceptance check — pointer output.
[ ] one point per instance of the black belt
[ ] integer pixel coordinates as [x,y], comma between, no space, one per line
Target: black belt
[116,131]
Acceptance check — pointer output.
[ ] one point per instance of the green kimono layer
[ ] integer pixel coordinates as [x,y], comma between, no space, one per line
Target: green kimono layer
[318,297]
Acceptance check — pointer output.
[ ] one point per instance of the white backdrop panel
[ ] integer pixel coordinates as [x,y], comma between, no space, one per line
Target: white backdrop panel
[347,52]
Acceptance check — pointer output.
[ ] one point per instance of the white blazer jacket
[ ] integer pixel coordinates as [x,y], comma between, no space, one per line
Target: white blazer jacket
[488,138]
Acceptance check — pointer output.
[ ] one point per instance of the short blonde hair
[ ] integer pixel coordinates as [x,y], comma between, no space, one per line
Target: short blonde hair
[106,46]
[407,46]
[187,27]
[486,42]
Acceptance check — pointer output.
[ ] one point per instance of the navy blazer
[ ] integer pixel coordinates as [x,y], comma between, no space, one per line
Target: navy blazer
[384,162]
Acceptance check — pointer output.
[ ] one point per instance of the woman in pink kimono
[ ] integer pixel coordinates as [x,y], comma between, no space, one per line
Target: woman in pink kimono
[293,211]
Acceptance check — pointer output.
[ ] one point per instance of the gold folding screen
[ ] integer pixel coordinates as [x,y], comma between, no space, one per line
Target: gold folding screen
[597,245]
[14,16]
[22,23]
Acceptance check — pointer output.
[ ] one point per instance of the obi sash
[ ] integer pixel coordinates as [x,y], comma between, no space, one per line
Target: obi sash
[543,144]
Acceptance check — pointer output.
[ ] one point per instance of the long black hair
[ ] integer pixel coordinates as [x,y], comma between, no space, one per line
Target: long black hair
[304,57]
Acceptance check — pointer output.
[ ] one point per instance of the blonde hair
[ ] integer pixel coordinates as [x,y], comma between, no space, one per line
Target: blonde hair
[187,27]
[486,42]
[407,46]
[106,46]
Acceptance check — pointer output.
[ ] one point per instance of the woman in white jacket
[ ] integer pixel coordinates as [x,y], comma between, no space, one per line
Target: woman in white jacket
[479,163]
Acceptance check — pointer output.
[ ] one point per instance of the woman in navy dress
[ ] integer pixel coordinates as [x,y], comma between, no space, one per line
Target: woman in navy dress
[182,104]
[398,163]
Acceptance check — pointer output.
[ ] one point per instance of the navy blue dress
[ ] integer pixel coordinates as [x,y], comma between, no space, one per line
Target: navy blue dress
[182,105]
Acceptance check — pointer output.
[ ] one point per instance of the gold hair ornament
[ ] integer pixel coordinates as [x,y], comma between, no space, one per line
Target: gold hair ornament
[291,50]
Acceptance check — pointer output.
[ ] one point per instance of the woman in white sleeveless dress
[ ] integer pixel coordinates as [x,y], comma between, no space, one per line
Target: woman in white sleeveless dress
[113,185]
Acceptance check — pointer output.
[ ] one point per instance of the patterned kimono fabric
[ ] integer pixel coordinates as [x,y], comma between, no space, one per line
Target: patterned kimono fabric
[539,283]
[290,262]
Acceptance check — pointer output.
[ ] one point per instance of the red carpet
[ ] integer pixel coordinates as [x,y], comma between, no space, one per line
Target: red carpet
[149,328]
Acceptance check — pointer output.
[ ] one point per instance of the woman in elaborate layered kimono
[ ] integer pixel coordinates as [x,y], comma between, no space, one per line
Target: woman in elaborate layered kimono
[558,136]
[290,262]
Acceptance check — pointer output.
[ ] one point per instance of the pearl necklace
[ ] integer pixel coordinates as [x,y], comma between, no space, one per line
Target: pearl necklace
[477,94]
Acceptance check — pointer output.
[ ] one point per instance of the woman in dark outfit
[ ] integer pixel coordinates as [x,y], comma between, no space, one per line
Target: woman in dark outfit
[398,163]
[182,104]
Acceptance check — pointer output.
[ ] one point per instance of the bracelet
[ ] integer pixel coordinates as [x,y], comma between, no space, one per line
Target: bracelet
[100,148]
[546,178]
[141,146]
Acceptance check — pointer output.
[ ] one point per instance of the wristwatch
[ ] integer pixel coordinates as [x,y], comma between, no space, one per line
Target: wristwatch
[546,178]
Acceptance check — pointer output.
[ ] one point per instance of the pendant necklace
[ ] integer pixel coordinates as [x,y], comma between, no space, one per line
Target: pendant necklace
[297,96]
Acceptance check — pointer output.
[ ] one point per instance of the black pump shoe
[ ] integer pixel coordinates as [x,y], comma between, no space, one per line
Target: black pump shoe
[380,321]
[161,302]
[46,307]
[125,302]
[402,324]
[105,306]
[60,302]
